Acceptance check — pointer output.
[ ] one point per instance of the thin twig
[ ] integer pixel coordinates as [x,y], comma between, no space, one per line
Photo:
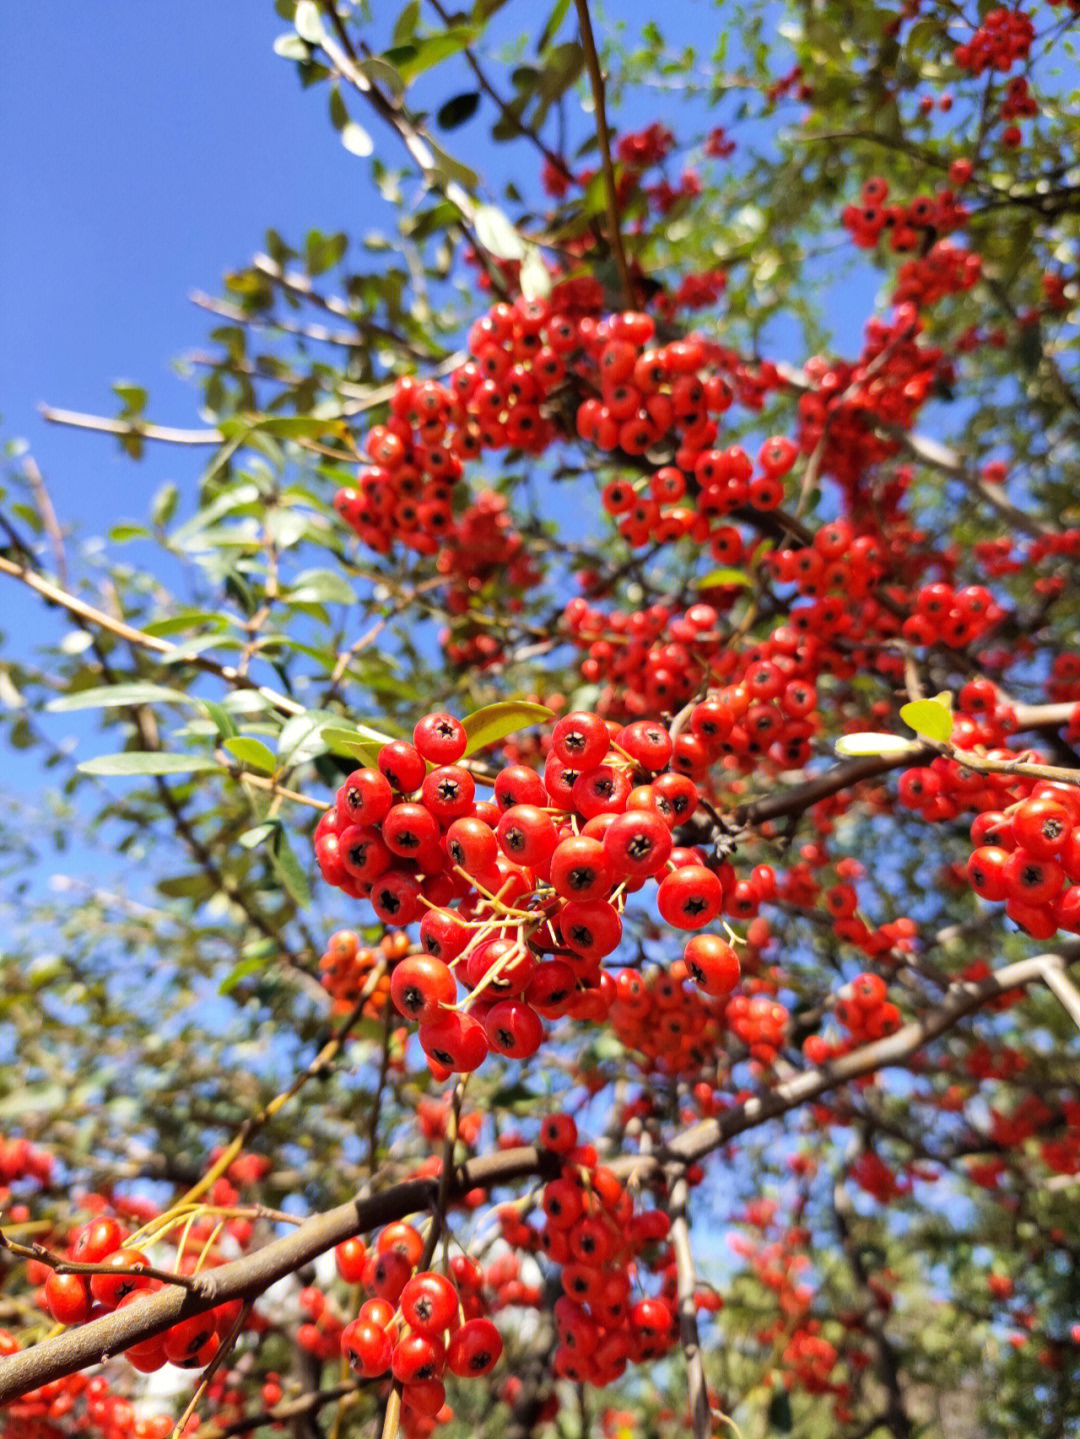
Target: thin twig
[596,79]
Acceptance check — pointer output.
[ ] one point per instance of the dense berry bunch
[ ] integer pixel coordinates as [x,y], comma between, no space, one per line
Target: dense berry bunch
[520,897]
[74,1298]
[850,406]
[1027,853]
[1003,38]
[676,1026]
[908,226]
[416,1326]
[597,1235]
[347,965]
[91,1405]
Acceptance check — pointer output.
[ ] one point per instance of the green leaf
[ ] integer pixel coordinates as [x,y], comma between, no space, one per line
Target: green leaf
[238,972]
[448,168]
[494,722]
[252,838]
[362,743]
[723,576]
[164,506]
[406,23]
[933,719]
[289,427]
[251,751]
[551,28]
[133,396]
[534,278]
[455,111]
[223,720]
[497,234]
[432,49]
[134,762]
[320,587]
[356,139]
[380,72]
[288,870]
[39,1100]
[868,742]
[116,696]
[308,22]
[339,114]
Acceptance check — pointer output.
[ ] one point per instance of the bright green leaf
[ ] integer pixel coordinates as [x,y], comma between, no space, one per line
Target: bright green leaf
[258,834]
[724,576]
[494,722]
[135,762]
[868,742]
[321,587]
[223,720]
[251,751]
[932,719]
[117,696]
[288,869]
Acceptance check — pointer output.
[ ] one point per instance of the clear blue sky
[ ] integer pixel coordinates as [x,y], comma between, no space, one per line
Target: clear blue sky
[144,149]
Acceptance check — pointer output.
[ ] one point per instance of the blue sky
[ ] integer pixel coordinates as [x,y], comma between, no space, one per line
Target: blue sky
[143,151]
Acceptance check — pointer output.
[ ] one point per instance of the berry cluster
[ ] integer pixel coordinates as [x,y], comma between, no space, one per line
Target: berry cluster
[415,1326]
[1003,38]
[850,403]
[760,1022]
[909,224]
[73,1298]
[346,967]
[678,1028]
[1028,854]
[520,897]
[87,1404]
[592,1232]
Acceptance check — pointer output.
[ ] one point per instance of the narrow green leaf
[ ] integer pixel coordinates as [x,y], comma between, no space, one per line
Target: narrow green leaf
[363,744]
[868,742]
[497,234]
[433,49]
[356,139]
[258,834]
[223,721]
[308,22]
[117,696]
[238,972]
[288,869]
[123,534]
[406,23]
[380,72]
[135,762]
[251,751]
[723,576]
[932,719]
[289,427]
[551,28]
[494,722]
[320,587]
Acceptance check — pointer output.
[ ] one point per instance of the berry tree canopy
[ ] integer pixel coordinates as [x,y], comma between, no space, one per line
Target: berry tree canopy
[580,792]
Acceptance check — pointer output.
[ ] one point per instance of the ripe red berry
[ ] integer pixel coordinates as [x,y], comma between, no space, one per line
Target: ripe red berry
[440,738]
[712,964]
